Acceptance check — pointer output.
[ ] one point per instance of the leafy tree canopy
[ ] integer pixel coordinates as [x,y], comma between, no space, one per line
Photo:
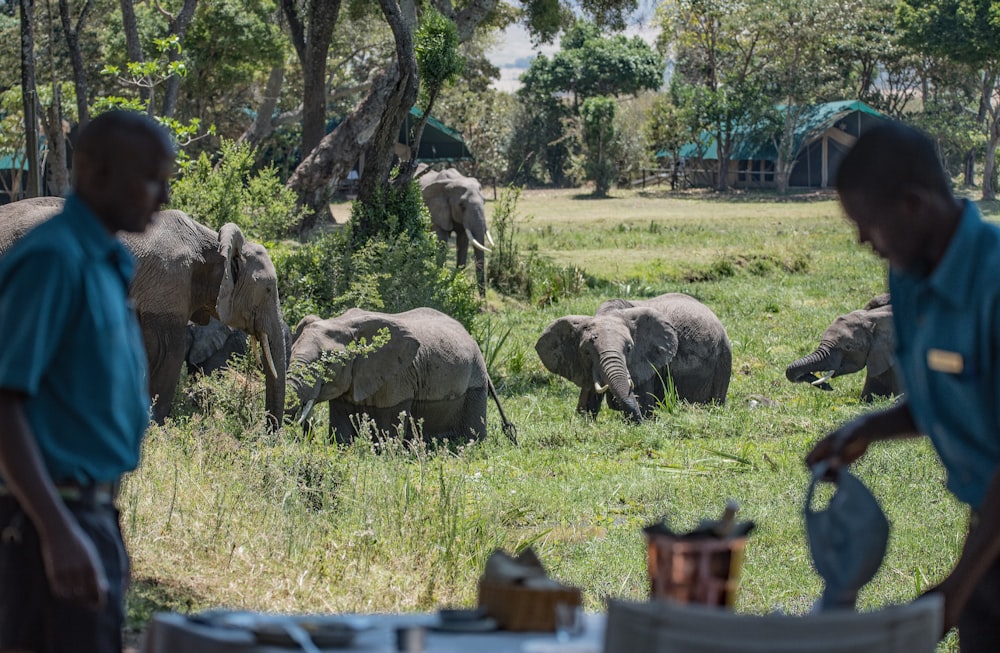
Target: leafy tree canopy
[590,64]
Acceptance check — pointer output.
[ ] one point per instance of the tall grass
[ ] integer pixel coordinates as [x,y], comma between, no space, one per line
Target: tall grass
[222,513]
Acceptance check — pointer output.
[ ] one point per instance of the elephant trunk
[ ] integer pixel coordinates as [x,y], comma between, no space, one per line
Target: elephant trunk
[272,341]
[822,359]
[619,383]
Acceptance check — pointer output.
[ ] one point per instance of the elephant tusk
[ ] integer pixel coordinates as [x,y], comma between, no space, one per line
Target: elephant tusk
[478,245]
[600,389]
[306,411]
[829,375]
[266,347]
[631,384]
[256,352]
[489,239]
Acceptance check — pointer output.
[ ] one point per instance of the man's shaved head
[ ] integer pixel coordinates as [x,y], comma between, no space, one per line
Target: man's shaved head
[122,162]
[890,158]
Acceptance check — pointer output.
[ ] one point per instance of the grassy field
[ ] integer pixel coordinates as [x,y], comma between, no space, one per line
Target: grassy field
[220,513]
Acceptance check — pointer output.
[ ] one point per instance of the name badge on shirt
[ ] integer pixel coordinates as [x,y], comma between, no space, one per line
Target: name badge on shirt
[949,362]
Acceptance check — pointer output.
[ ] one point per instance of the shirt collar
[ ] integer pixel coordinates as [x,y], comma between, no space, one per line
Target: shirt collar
[95,239]
[952,278]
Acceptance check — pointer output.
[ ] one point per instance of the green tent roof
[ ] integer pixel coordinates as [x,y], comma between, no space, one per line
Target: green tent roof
[11,162]
[813,121]
[438,142]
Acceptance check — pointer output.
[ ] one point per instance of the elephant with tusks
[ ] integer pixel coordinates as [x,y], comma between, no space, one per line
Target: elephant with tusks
[859,340]
[187,272]
[430,372]
[631,351]
[456,205]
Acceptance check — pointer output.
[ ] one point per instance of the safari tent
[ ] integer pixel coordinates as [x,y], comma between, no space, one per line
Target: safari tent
[824,135]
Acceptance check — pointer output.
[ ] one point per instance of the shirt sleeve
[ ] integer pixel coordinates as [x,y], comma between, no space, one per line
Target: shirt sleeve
[37,297]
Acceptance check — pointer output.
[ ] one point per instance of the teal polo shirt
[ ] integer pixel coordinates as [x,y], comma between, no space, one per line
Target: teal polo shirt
[72,344]
[948,348]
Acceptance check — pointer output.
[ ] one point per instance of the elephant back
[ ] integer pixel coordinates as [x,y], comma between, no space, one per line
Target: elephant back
[18,218]
[448,356]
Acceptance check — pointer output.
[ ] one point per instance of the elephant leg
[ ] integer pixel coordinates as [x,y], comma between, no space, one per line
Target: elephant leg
[589,402]
[165,340]
[473,422]
[461,248]
[480,271]
[877,386]
[649,395]
[341,424]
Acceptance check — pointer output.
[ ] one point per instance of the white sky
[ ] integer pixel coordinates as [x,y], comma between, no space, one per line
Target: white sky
[514,52]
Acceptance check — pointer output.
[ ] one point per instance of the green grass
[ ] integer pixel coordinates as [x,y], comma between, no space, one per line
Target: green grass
[220,513]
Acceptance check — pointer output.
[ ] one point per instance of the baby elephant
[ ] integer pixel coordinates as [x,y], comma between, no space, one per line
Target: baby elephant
[856,340]
[431,369]
[632,350]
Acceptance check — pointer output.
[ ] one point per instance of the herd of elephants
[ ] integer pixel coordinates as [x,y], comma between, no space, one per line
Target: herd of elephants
[202,295]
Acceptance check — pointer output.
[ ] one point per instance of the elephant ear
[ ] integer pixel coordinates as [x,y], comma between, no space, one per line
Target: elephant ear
[654,342]
[230,246]
[559,349]
[883,342]
[437,203]
[377,370]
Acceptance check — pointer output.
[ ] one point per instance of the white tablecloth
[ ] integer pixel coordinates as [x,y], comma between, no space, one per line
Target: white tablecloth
[170,632]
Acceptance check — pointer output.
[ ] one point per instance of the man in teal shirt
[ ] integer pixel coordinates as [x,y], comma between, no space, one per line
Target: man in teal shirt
[944,281]
[74,403]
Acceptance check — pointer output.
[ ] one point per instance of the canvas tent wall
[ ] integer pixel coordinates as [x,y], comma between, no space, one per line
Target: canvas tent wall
[823,135]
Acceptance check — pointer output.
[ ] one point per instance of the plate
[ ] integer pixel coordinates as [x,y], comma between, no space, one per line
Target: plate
[325,633]
[480,625]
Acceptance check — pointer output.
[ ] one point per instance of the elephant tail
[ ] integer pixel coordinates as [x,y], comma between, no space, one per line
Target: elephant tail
[508,427]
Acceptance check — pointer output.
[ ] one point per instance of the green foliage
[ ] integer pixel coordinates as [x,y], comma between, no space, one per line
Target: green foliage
[386,260]
[438,58]
[589,64]
[149,75]
[529,278]
[230,190]
[597,115]
[325,369]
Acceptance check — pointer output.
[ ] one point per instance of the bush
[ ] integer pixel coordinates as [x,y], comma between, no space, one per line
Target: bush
[385,260]
[230,191]
[532,279]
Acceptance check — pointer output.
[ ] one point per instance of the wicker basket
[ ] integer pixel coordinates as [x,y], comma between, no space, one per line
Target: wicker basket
[520,608]
[694,570]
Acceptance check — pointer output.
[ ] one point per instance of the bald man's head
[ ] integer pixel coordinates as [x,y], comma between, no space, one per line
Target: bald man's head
[122,162]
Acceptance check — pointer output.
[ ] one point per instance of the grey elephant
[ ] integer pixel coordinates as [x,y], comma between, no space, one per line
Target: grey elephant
[862,339]
[187,272]
[632,350]
[431,369]
[456,205]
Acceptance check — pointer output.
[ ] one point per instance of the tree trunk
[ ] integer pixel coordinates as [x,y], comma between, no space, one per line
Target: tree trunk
[30,95]
[969,168]
[312,43]
[262,125]
[132,45]
[402,18]
[72,36]
[989,160]
[55,164]
[418,132]
[178,26]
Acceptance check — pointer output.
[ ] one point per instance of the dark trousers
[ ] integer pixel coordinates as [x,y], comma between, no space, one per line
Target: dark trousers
[979,623]
[31,619]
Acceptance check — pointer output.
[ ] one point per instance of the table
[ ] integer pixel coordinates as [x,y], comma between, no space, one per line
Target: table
[171,632]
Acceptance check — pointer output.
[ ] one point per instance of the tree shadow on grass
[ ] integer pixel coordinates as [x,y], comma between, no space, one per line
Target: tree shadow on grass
[743,196]
[146,596]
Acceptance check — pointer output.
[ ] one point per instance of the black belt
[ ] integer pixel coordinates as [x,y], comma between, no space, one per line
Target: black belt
[93,494]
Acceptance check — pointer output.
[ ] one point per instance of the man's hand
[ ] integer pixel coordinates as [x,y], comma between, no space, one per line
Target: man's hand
[74,568]
[841,447]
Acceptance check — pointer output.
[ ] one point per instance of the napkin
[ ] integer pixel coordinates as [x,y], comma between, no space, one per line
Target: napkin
[525,569]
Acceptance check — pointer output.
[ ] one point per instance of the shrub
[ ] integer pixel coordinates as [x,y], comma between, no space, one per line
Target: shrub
[385,260]
[230,191]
